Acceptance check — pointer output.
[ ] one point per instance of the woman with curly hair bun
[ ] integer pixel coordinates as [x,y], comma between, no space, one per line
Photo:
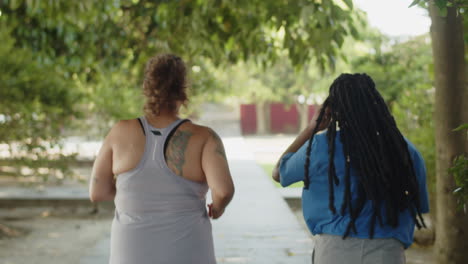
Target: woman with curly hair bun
[157,169]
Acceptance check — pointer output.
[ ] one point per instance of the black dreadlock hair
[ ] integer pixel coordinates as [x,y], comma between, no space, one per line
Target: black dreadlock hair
[374,147]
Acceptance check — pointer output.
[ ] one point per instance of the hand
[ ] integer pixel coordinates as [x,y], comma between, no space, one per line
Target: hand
[213,212]
[325,120]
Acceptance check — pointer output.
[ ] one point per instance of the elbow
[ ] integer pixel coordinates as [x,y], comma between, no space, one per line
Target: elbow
[101,197]
[232,193]
[95,197]
[276,175]
[225,195]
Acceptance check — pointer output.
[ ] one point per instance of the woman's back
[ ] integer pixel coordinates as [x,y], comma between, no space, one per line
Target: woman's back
[189,139]
[160,216]
[164,167]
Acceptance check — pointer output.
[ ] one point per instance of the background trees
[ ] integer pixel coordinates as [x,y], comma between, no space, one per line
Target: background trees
[84,51]
[402,71]
[70,65]
[450,105]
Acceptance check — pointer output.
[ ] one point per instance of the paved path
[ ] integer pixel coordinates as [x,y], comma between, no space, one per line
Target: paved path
[258,226]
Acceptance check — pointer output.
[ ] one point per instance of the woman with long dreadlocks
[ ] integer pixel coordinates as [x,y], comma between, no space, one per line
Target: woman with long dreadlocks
[364,183]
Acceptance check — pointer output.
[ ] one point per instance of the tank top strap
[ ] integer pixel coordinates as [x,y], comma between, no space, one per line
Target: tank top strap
[170,130]
[151,140]
[145,125]
[167,132]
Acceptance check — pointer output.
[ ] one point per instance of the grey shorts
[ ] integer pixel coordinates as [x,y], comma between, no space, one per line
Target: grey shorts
[329,249]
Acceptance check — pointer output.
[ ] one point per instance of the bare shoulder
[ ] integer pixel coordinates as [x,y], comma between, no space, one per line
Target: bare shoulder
[124,128]
[212,141]
[205,136]
[126,124]
[202,132]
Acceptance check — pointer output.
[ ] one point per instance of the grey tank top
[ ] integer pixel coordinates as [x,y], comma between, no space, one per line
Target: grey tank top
[160,217]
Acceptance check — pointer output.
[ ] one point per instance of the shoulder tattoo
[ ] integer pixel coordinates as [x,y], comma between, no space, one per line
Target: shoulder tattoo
[175,152]
[219,144]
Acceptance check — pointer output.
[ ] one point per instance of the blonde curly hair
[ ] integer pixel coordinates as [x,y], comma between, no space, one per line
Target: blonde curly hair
[165,82]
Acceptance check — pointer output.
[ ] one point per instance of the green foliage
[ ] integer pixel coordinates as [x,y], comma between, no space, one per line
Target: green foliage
[60,58]
[461,127]
[461,7]
[403,75]
[397,68]
[459,170]
[245,81]
[442,5]
[310,82]
[413,114]
[219,30]
[130,31]
[280,82]
[35,106]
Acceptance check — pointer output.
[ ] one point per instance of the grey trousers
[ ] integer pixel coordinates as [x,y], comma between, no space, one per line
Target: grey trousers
[329,249]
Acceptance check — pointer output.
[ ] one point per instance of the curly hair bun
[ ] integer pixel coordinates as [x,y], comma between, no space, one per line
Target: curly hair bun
[164,83]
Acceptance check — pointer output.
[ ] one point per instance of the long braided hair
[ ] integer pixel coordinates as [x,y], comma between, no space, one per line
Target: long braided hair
[374,147]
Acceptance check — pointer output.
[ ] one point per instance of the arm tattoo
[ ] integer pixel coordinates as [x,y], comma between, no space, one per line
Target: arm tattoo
[175,153]
[219,144]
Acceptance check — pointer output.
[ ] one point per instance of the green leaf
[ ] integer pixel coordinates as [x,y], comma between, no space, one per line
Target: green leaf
[349,3]
[443,12]
[462,127]
[14,4]
[441,4]
[415,2]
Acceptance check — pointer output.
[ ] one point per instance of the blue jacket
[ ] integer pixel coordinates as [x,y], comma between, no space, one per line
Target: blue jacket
[318,217]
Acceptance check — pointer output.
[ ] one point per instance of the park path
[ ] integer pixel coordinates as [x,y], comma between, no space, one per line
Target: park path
[258,226]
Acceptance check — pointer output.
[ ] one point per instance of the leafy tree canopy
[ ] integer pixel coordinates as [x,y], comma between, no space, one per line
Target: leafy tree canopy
[86,31]
[62,58]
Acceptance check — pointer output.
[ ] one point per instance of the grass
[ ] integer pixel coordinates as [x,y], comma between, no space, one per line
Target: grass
[268,168]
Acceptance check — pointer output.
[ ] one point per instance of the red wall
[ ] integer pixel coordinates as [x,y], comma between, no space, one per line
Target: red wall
[248,119]
[283,119]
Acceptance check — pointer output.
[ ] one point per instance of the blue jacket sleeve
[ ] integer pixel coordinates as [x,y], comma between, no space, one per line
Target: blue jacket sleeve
[292,166]
[420,171]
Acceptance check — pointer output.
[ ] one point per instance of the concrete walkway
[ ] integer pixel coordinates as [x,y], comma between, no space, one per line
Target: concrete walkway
[258,226]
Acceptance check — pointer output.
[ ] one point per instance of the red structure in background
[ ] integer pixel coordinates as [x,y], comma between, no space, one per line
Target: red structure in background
[248,119]
[283,119]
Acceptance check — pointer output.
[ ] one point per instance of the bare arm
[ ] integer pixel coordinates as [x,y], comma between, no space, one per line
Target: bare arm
[216,169]
[102,184]
[301,139]
[297,143]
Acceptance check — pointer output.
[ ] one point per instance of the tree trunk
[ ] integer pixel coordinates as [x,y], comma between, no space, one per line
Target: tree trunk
[451,92]
[263,118]
[303,110]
